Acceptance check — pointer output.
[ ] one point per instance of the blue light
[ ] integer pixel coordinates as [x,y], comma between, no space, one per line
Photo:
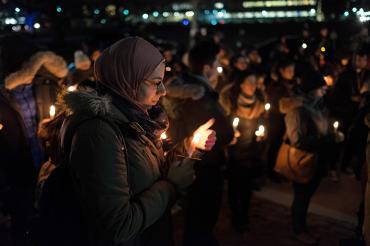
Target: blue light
[185,22]
[96,11]
[214,22]
[126,12]
[17,10]
[206,12]
[346,13]
[59,9]
[155,14]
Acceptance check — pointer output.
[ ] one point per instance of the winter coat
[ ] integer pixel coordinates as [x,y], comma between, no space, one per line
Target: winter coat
[191,102]
[122,188]
[16,159]
[247,151]
[348,85]
[306,122]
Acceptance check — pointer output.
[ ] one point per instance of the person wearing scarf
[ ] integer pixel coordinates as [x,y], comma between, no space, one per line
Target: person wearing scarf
[124,189]
[246,156]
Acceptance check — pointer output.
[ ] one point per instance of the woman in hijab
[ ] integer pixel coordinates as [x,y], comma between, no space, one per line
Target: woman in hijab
[123,183]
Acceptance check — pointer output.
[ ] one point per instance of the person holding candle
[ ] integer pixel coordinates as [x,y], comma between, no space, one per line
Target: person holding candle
[247,155]
[198,104]
[25,97]
[308,129]
[123,184]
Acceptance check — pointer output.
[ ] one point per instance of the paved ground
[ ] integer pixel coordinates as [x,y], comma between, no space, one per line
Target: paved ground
[332,215]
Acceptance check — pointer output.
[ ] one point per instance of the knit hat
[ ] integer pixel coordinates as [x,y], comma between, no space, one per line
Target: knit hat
[82,61]
[311,80]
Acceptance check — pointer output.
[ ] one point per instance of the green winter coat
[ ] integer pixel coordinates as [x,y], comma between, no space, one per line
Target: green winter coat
[121,196]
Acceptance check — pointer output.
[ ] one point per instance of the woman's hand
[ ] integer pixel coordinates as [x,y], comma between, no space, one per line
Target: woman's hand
[203,138]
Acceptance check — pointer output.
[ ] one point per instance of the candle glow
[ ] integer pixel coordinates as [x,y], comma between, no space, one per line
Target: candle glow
[267,106]
[164,136]
[236,122]
[52,111]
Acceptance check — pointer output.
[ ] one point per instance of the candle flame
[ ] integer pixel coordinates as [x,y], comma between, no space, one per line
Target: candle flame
[236,122]
[52,111]
[261,131]
[72,88]
[336,124]
[220,69]
[163,136]
[267,106]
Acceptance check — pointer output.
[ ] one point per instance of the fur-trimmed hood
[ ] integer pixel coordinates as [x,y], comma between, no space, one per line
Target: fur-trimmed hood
[87,102]
[177,91]
[287,104]
[176,88]
[53,63]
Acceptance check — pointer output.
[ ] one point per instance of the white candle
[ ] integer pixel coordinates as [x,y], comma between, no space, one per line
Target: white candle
[236,123]
[195,141]
[261,131]
[52,111]
[267,106]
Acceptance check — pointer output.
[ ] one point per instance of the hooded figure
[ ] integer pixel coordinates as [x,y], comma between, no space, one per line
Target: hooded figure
[28,89]
[122,183]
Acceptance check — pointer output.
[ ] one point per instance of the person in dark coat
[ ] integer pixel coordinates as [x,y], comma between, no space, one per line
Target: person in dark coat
[25,99]
[123,183]
[191,101]
[348,97]
[308,129]
[285,86]
[247,155]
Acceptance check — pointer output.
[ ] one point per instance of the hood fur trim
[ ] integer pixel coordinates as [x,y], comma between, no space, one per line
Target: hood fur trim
[53,63]
[88,102]
[177,89]
[287,104]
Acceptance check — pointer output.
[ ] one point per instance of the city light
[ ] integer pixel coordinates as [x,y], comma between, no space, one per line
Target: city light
[166,14]
[155,13]
[10,21]
[346,13]
[185,22]
[219,5]
[59,9]
[96,11]
[189,13]
[354,10]
[126,12]
[17,10]
[145,16]
[36,25]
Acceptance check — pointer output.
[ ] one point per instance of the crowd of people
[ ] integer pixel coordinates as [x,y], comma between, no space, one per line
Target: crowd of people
[100,152]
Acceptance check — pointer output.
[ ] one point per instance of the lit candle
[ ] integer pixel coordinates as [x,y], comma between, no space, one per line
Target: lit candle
[304,46]
[261,131]
[220,69]
[194,142]
[72,88]
[52,111]
[168,69]
[267,106]
[236,123]
[164,136]
[1,126]
[336,125]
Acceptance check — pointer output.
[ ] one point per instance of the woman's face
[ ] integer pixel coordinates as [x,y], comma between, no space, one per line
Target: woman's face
[152,88]
[249,85]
